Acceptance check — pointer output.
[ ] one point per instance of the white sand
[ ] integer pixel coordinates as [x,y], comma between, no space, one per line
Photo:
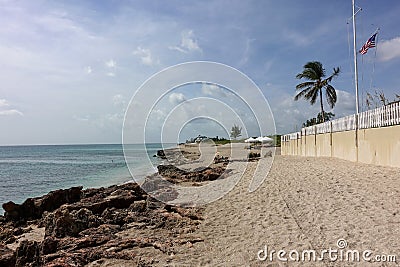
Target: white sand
[305,203]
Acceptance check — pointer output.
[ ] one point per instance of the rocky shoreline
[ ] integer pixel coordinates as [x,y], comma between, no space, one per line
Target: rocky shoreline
[77,227]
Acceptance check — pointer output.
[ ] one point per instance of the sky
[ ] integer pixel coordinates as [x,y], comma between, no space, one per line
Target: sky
[69,69]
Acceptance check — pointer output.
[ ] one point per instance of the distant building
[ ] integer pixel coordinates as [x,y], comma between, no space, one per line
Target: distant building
[200,138]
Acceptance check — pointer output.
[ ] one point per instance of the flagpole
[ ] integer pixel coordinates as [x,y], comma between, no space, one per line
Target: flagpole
[355,57]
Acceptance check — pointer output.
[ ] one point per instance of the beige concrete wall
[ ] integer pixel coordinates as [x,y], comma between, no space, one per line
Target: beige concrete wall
[323,147]
[309,148]
[302,146]
[344,145]
[380,146]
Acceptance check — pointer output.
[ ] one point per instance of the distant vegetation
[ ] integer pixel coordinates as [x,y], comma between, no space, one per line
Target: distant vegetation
[222,141]
[318,119]
[217,140]
[276,138]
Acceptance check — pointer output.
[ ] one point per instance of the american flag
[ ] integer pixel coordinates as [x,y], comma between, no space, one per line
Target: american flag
[369,44]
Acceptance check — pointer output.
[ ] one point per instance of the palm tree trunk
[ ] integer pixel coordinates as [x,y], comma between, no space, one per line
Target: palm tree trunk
[322,106]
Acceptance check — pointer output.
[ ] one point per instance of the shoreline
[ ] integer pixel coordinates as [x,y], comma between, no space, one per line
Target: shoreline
[91,220]
[305,203]
[32,171]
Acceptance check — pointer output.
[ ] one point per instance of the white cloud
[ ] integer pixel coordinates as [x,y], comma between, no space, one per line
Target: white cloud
[6,112]
[59,22]
[176,98]
[118,100]
[82,118]
[345,105]
[145,56]
[11,112]
[188,43]
[246,53]
[4,103]
[111,64]
[212,90]
[297,38]
[88,69]
[115,118]
[389,49]
[158,114]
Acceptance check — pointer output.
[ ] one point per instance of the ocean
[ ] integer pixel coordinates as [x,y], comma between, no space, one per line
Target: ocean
[31,171]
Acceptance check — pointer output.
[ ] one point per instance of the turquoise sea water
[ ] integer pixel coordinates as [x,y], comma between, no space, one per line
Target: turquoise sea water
[30,171]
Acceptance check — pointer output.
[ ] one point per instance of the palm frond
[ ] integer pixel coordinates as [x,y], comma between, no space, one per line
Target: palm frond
[317,67]
[335,73]
[312,95]
[303,85]
[331,96]
[302,94]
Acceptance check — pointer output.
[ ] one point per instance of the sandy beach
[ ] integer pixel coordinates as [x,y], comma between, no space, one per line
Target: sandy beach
[303,204]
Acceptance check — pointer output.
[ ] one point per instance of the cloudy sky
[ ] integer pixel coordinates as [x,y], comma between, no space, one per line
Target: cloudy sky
[70,68]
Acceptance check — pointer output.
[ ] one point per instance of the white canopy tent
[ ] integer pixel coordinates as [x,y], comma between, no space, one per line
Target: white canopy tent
[261,139]
[264,139]
[251,140]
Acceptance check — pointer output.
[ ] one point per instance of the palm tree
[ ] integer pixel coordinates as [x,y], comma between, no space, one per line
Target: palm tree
[236,131]
[310,90]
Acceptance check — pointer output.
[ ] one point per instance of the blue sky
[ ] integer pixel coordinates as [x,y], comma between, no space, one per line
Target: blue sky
[70,68]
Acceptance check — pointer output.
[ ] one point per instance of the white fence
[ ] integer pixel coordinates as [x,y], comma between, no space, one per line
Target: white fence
[380,117]
[347,123]
[384,116]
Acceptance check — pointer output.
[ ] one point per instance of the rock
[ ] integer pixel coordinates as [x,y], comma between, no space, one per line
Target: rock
[253,155]
[15,212]
[175,175]
[63,223]
[55,199]
[120,197]
[48,245]
[67,260]
[7,234]
[27,254]
[116,222]
[12,210]
[138,206]
[114,216]
[33,208]
[152,203]
[170,171]
[103,230]
[161,154]
[7,256]
[154,183]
